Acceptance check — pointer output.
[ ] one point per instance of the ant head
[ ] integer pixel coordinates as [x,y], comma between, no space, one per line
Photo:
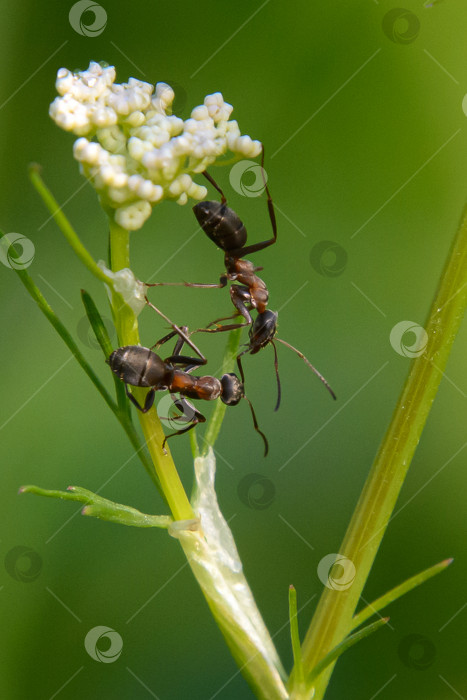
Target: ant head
[221,224]
[263,330]
[232,389]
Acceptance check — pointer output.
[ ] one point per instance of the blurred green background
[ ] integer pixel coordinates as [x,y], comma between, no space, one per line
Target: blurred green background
[361,115]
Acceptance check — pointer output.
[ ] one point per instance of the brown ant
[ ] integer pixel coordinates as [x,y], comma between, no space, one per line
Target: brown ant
[225,228]
[139,366]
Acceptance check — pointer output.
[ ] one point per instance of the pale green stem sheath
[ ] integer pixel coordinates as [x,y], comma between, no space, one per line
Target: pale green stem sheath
[127,329]
[333,617]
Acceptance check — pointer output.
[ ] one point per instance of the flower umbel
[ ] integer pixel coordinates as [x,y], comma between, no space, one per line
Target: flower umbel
[134,151]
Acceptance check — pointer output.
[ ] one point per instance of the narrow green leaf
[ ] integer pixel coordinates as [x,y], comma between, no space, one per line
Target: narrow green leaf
[50,314]
[102,508]
[398,591]
[102,337]
[97,323]
[52,317]
[295,636]
[343,646]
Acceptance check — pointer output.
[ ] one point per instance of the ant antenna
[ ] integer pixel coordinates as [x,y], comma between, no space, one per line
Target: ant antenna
[255,422]
[276,367]
[256,426]
[318,374]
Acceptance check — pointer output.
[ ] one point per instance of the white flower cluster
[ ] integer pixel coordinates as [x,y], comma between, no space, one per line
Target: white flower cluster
[134,151]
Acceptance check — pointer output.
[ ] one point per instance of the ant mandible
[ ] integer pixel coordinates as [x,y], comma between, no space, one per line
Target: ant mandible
[225,228]
[139,366]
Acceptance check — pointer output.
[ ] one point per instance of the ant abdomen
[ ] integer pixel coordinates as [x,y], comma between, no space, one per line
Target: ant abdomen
[221,224]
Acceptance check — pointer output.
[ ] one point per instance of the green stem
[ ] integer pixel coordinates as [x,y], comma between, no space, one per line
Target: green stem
[228,362]
[333,618]
[127,328]
[64,225]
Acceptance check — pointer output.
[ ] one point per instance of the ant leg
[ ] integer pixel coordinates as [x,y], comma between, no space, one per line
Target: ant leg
[272,216]
[195,417]
[220,285]
[214,184]
[189,363]
[178,330]
[240,296]
[147,403]
[165,339]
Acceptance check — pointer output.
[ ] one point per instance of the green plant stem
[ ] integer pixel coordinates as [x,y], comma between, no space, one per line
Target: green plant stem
[215,423]
[333,617]
[63,224]
[127,329]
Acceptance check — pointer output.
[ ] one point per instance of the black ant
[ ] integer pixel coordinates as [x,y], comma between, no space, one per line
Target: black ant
[139,366]
[225,228]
